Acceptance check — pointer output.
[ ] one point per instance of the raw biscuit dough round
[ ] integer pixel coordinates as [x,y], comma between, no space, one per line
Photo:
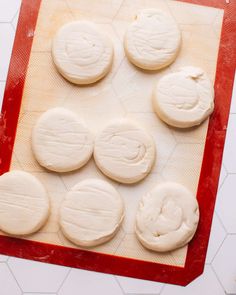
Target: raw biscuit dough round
[60,141]
[91,213]
[185,98]
[167,217]
[24,203]
[124,151]
[81,53]
[153,40]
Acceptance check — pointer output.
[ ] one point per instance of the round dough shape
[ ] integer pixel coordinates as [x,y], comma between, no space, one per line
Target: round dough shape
[167,217]
[24,203]
[124,152]
[81,53]
[153,40]
[91,213]
[60,141]
[185,98]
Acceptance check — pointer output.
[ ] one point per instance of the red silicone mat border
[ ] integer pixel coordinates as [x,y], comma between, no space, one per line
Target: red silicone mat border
[209,176]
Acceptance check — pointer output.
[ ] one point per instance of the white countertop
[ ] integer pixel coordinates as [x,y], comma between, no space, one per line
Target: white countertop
[18,276]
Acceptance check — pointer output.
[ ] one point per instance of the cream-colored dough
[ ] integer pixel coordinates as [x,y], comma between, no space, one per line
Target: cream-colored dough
[167,217]
[60,141]
[91,213]
[81,53]
[185,98]
[124,151]
[153,40]
[24,203]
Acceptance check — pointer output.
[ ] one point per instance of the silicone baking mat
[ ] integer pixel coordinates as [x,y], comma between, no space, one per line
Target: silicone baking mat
[192,157]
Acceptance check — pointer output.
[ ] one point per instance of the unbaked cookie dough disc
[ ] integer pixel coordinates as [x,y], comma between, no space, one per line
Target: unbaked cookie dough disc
[81,53]
[167,217]
[185,98]
[91,213]
[24,203]
[60,141]
[124,151]
[153,40]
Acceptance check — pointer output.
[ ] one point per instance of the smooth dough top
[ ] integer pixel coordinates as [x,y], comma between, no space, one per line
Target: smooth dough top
[167,217]
[81,53]
[60,141]
[185,98]
[24,203]
[124,151]
[91,213]
[153,40]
